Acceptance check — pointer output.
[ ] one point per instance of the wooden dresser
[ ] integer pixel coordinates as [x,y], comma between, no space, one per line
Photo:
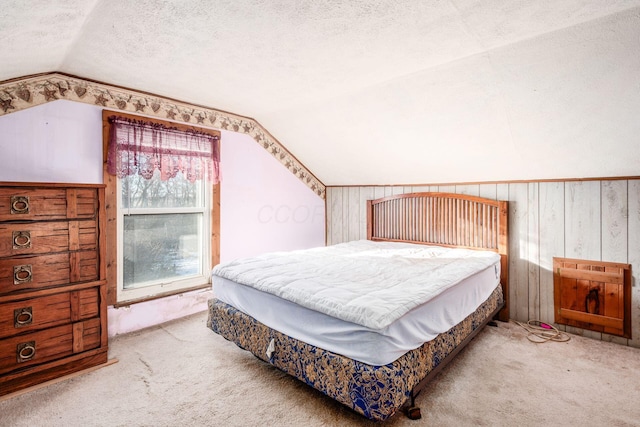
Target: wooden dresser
[52,282]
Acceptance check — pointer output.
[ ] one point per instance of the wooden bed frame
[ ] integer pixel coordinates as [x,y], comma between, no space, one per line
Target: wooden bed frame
[442,219]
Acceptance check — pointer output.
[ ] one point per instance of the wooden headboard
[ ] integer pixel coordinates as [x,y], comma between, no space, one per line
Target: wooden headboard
[444,219]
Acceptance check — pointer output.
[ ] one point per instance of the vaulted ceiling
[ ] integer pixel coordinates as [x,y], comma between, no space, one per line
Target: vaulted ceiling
[372,91]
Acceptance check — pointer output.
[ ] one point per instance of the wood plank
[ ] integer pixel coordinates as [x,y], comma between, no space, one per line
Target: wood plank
[502,193]
[489,191]
[468,189]
[397,189]
[104,321]
[633,258]
[215,226]
[91,338]
[378,192]
[366,193]
[88,303]
[582,290]
[74,303]
[613,300]
[582,220]
[614,209]
[598,276]
[533,245]
[72,203]
[581,316]
[74,267]
[78,337]
[74,235]
[446,188]
[518,249]
[568,289]
[551,208]
[353,215]
[110,232]
[345,215]
[87,202]
[336,207]
[327,215]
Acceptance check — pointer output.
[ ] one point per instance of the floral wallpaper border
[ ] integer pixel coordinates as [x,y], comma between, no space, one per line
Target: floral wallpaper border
[19,94]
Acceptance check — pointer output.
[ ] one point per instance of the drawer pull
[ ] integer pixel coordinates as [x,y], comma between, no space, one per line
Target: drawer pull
[22,274]
[21,240]
[23,316]
[19,204]
[26,351]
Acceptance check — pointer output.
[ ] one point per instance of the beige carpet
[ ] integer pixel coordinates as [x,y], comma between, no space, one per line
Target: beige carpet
[182,374]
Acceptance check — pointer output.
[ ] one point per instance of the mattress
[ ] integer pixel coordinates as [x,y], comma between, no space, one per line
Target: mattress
[364,282]
[373,346]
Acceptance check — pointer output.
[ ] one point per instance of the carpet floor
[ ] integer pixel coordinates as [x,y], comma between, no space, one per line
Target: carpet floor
[182,374]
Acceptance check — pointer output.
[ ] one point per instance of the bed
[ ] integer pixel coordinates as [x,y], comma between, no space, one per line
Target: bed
[360,321]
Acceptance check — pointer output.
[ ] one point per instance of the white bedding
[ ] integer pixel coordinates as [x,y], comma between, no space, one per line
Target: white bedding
[371,284]
[372,346]
[358,342]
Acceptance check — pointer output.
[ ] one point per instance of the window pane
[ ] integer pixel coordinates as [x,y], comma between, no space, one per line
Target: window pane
[161,248]
[177,192]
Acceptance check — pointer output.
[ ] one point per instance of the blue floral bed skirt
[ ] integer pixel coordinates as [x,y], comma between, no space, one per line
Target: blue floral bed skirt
[377,392]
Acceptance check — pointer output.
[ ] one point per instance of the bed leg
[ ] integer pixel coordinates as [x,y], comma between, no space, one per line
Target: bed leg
[413,412]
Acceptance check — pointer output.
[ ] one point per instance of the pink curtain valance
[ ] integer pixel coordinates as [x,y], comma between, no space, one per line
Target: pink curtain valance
[141,147]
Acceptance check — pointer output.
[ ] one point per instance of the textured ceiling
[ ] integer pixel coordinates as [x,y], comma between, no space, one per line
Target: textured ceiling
[372,92]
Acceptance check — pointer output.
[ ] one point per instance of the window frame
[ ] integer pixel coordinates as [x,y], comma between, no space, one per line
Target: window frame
[169,285]
[112,197]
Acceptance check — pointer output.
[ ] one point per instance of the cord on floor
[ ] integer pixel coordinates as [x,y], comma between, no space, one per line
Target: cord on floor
[540,332]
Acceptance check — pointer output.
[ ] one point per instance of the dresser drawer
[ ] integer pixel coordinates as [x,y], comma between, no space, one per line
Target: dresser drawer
[34,238]
[44,346]
[24,315]
[33,272]
[21,204]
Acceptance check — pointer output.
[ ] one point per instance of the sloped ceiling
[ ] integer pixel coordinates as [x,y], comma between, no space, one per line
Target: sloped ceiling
[372,92]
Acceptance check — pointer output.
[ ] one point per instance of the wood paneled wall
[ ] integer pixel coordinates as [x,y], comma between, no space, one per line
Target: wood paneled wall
[594,220]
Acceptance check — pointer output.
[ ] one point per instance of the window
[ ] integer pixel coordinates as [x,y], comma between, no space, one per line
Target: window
[165,180]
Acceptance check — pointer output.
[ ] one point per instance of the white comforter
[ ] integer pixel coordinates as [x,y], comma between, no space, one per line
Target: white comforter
[368,283]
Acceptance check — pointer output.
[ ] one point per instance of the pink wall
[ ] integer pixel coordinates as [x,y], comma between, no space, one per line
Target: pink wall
[263,206]
[55,142]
